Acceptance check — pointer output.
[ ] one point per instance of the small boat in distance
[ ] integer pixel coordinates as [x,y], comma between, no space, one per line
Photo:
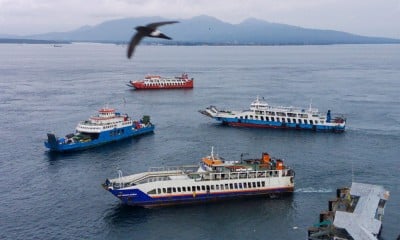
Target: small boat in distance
[158,82]
[212,179]
[262,115]
[107,126]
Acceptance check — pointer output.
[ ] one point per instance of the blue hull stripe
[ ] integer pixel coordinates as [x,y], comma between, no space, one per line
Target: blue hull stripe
[270,124]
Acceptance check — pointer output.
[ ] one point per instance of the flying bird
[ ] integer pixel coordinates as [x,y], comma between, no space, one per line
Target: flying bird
[150,30]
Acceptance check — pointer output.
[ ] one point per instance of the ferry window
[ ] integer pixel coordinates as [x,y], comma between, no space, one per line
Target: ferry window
[267,118]
[164,190]
[251,116]
[245,117]
[216,187]
[277,119]
[236,186]
[322,122]
[258,184]
[263,184]
[208,187]
[254,184]
[173,189]
[316,121]
[294,120]
[203,188]
[230,185]
[249,184]
[256,117]
[212,187]
[183,189]
[222,186]
[311,122]
[244,185]
[262,118]
[198,188]
[169,190]
[288,120]
[226,186]
[159,190]
[179,189]
[272,119]
[241,117]
[305,121]
[193,188]
[153,191]
[299,121]
[240,185]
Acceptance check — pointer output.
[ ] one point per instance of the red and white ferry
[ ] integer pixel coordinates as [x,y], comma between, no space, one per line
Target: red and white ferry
[158,82]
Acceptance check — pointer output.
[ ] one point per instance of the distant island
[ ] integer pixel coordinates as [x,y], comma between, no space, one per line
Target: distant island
[203,30]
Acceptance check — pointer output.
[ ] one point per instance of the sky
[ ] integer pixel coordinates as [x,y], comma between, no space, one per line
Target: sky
[379,18]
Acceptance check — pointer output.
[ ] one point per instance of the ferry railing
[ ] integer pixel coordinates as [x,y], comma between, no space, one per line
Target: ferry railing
[206,176]
[185,169]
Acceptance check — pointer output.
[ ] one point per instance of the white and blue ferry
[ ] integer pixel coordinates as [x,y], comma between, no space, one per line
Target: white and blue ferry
[262,115]
[107,126]
[213,179]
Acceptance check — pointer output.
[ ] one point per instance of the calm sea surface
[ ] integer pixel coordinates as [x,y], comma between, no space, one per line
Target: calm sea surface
[59,196]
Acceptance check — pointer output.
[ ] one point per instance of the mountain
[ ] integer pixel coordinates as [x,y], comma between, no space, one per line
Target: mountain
[209,30]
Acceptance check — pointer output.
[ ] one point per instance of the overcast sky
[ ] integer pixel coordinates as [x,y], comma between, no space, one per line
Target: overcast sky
[364,17]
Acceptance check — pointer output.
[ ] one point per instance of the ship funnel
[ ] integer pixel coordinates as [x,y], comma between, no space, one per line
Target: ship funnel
[265,158]
[52,141]
[328,116]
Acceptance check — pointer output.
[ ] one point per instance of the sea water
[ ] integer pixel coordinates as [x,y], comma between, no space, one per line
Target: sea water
[59,196]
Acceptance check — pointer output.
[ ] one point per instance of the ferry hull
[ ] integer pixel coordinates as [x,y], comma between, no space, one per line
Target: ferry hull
[141,86]
[279,125]
[54,144]
[136,197]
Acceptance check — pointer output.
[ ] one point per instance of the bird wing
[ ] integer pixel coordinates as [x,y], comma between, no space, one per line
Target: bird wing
[134,42]
[157,24]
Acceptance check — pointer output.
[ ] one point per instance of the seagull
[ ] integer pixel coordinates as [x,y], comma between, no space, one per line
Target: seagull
[150,30]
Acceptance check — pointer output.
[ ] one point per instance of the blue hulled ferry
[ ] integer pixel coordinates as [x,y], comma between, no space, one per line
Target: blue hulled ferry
[262,115]
[212,179]
[107,126]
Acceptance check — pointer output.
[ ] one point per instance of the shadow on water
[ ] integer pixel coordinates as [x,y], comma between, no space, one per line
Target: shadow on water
[275,206]
[123,214]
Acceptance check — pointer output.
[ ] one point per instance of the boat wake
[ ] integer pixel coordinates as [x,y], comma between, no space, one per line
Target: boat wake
[313,190]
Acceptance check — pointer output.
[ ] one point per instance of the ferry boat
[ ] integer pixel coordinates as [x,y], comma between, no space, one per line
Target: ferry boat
[212,179]
[107,126]
[158,82]
[262,115]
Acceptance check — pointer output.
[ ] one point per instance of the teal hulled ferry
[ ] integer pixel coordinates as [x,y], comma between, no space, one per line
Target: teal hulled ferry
[107,126]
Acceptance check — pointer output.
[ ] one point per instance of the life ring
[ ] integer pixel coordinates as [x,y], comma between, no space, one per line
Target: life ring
[194,194]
